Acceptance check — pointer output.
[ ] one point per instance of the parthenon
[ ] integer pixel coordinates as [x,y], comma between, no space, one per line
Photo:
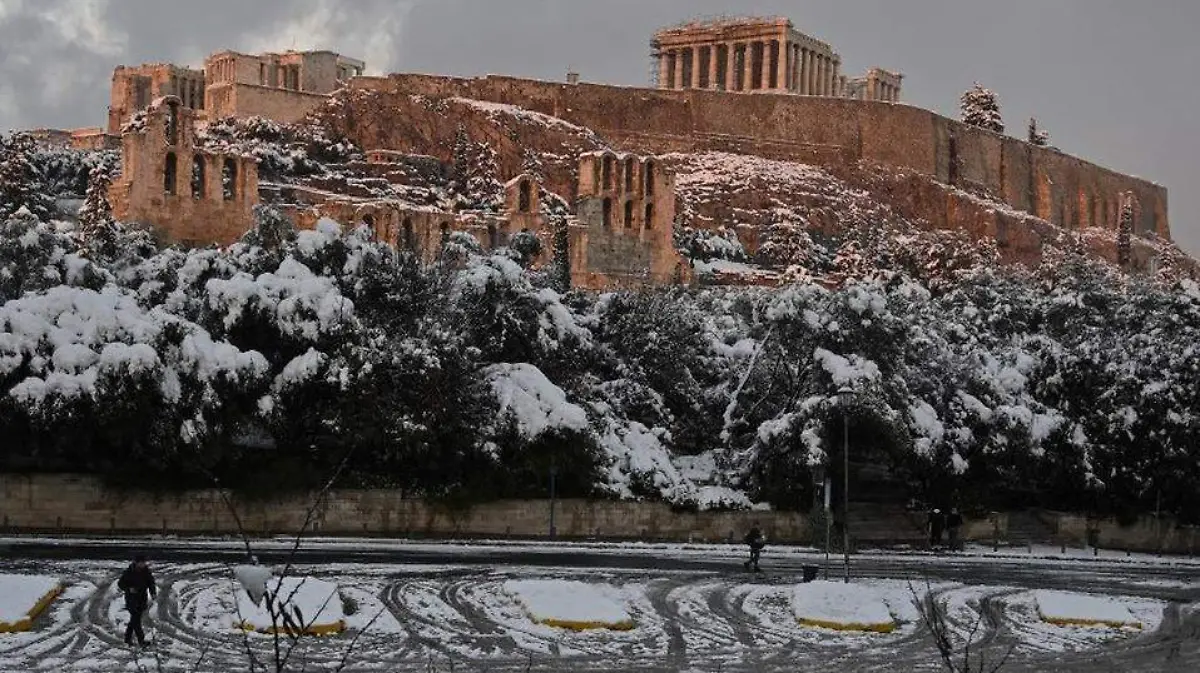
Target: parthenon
[759,54]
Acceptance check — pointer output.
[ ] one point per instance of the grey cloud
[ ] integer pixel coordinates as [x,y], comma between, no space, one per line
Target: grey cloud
[1109,79]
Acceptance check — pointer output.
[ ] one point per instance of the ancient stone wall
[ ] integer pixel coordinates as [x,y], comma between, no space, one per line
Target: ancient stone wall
[187,195]
[251,100]
[1041,181]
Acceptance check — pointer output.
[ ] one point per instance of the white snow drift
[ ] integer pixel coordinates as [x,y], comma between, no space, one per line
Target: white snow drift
[844,607]
[570,605]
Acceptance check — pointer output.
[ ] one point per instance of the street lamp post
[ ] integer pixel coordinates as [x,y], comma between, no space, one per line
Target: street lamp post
[553,496]
[844,392]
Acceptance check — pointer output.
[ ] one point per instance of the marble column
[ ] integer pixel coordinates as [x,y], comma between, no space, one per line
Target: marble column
[810,75]
[833,87]
[678,83]
[802,79]
[695,78]
[795,68]
[780,51]
[785,64]
[766,65]
[730,60]
[822,74]
[748,67]
[663,59]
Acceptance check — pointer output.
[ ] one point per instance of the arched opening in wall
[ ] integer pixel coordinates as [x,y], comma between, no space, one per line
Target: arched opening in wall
[606,217]
[649,174]
[525,197]
[198,177]
[368,221]
[171,131]
[649,224]
[629,163]
[170,169]
[444,229]
[228,179]
[606,172]
[409,241]
[493,237]
[629,214]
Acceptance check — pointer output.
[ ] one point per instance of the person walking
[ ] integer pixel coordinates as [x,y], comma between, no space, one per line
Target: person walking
[137,584]
[756,542]
[954,524]
[937,522]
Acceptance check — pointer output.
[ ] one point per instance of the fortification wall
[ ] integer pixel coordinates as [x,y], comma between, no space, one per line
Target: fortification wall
[1062,189]
[250,100]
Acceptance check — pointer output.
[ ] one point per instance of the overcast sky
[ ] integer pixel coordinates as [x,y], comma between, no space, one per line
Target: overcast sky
[1112,80]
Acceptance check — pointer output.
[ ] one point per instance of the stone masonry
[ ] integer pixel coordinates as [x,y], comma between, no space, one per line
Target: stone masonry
[188,195]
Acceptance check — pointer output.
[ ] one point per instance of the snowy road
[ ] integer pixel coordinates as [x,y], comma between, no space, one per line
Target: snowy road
[693,612]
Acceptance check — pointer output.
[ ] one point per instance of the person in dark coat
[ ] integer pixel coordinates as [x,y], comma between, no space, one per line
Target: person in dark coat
[954,522]
[137,584]
[937,523]
[756,542]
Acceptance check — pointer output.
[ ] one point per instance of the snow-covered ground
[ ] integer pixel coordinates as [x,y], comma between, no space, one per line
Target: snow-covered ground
[571,605]
[403,617]
[23,597]
[842,606]
[315,605]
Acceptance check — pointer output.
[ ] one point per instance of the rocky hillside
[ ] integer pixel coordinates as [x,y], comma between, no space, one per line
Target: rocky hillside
[744,201]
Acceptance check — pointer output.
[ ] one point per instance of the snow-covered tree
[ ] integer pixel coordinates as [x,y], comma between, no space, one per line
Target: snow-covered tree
[980,107]
[527,247]
[1038,136]
[476,174]
[96,216]
[20,186]
[1125,233]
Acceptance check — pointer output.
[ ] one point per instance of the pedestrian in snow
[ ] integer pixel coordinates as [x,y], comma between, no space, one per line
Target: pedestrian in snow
[756,542]
[954,523]
[937,522]
[137,584]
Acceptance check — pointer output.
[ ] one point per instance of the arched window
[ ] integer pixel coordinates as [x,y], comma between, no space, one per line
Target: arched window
[649,178]
[525,197]
[228,179]
[409,242]
[629,175]
[607,172]
[198,177]
[169,171]
[172,127]
[493,237]
[368,221]
[649,216]
[629,214]
[607,215]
